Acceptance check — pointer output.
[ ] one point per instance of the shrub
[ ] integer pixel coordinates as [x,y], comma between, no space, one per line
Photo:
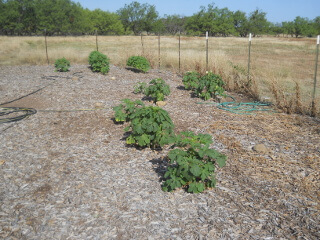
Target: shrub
[191,80]
[62,65]
[99,62]
[209,86]
[157,89]
[150,127]
[192,166]
[139,62]
[126,109]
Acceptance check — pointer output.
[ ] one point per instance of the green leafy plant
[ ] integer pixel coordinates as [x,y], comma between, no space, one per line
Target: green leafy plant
[99,62]
[192,165]
[191,80]
[140,87]
[209,86]
[124,110]
[139,62]
[62,65]
[150,127]
[157,89]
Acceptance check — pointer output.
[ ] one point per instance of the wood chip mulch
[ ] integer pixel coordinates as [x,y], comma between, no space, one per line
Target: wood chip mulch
[69,174]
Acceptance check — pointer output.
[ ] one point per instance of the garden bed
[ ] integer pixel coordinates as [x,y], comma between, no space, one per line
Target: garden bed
[69,174]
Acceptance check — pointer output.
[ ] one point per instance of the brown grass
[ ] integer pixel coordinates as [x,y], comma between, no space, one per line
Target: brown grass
[282,69]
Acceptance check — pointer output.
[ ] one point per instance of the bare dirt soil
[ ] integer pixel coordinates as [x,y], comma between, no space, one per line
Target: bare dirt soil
[69,174]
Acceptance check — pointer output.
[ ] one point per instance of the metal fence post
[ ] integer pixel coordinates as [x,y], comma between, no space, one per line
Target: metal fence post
[159,50]
[313,106]
[207,50]
[45,39]
[97,40]
[142,45]
[249,58]
[179,51]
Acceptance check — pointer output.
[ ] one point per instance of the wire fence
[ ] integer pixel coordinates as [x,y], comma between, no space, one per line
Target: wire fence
[284,69]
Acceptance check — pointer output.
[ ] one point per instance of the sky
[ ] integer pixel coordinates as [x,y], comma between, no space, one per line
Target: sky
[277,10]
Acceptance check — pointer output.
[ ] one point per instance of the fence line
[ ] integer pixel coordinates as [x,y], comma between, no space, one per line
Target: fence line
[285,59]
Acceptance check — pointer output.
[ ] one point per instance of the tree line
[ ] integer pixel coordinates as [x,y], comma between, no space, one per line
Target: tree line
[65,17]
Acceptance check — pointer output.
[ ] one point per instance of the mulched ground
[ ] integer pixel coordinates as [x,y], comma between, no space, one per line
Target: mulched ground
[70,175]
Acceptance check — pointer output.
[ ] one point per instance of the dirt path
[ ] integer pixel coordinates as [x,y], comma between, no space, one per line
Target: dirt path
[69,175]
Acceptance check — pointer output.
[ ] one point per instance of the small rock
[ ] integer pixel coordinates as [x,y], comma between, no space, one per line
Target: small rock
[113,78]
[260,148]
[2,162]
[75,78]
[161,103]
[98,105]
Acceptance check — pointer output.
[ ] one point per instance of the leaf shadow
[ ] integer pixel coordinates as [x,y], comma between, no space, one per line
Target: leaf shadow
[135,70]
[146,98]
[160,166]
[182,88]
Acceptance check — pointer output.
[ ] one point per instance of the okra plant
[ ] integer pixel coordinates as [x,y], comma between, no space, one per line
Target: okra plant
[206,86]
[157,89]
[140,87]
[150,127]
[192,165]
[210,85]
[191,80]
[62,65]
[139,62]
[99,62]
[124,110]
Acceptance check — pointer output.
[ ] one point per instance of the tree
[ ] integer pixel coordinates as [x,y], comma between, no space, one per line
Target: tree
[150,18]
[158,27]
[212,19]
[174,23]
[241,24]
[9,16]
[300,26]
[276,28]
[288,28]
[258,23]
[106,22]
[224,21]
[138,17]
[2,11]
[56,16]
[316,23]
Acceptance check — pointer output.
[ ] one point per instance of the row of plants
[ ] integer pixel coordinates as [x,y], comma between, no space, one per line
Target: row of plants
[191,162]
[101,63]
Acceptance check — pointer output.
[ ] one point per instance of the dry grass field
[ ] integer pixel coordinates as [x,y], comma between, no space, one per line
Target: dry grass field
[282,69]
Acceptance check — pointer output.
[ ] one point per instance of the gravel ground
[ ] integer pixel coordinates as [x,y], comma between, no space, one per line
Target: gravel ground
[70,175]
